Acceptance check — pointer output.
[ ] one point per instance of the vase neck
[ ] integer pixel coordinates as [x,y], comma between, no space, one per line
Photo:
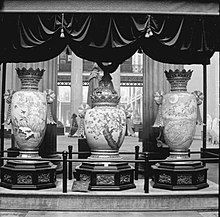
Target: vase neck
[178,79]
[29,83]
[178,85]
[29,77]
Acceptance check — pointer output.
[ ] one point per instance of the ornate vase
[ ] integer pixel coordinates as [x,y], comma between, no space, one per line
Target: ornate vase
[178,115]
[105,123]
[178,111]
[29,113]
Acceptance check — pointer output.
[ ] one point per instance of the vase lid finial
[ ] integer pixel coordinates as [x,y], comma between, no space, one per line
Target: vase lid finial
[105,94]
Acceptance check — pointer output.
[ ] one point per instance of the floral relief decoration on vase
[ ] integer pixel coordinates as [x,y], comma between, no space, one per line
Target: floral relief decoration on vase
[105,123]
[29,110]
[178,111]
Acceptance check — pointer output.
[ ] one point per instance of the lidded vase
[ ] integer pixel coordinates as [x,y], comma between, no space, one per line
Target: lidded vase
[105,123]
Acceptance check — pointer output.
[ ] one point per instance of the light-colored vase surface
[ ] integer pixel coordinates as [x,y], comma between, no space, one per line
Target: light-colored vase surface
[29,113]
[105,123]
[105,128]
[179,113]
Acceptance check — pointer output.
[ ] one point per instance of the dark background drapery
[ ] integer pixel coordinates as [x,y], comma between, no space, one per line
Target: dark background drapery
[34,37]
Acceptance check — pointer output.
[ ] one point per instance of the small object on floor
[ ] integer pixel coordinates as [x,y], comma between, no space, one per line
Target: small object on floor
[80,186]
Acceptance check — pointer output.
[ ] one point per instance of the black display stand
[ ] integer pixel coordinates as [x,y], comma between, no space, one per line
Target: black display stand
[106,176]
[186,175]
[28,175]
[83,147]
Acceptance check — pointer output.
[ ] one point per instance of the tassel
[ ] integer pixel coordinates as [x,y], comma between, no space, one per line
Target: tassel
[149,32]
[62,31]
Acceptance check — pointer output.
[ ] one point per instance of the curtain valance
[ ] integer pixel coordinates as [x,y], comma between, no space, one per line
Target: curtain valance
[34,37]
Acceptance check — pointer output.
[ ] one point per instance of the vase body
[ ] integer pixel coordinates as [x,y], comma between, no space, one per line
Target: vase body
[29,112]
[105,128]
[105,123]
[179,112]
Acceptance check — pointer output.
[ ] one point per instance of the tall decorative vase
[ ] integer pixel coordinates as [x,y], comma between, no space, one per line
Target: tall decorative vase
[28,114]
[178,115]
[105,126]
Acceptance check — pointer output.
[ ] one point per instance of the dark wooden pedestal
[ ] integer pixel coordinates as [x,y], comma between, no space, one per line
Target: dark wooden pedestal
[28,175]
[102,176]
[180,176]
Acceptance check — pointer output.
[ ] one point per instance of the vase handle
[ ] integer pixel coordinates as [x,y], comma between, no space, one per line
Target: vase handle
[199,97]
[8,97]
[50,95]
[158,97]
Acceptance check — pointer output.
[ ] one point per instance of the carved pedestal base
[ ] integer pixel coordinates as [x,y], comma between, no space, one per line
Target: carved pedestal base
[28,175]
[180,176]
[106,176]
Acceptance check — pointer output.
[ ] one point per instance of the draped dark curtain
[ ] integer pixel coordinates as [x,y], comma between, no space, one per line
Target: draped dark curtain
[33,37]
[30,37]
[105,37]
[182,39]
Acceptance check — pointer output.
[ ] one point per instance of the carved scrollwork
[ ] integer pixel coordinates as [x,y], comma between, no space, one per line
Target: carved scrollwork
[7,178]
[164,178]
[44,178]
[105,179]
[24,179]
[184,179]
[125,179]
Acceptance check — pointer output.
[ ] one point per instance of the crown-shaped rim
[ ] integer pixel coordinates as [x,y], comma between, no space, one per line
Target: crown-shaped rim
[178,73]
[32,72]
[178,79]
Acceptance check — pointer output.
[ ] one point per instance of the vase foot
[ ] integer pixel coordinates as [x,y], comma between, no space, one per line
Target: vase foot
[105,154]
[23,175]
[106,176]
[180,176]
